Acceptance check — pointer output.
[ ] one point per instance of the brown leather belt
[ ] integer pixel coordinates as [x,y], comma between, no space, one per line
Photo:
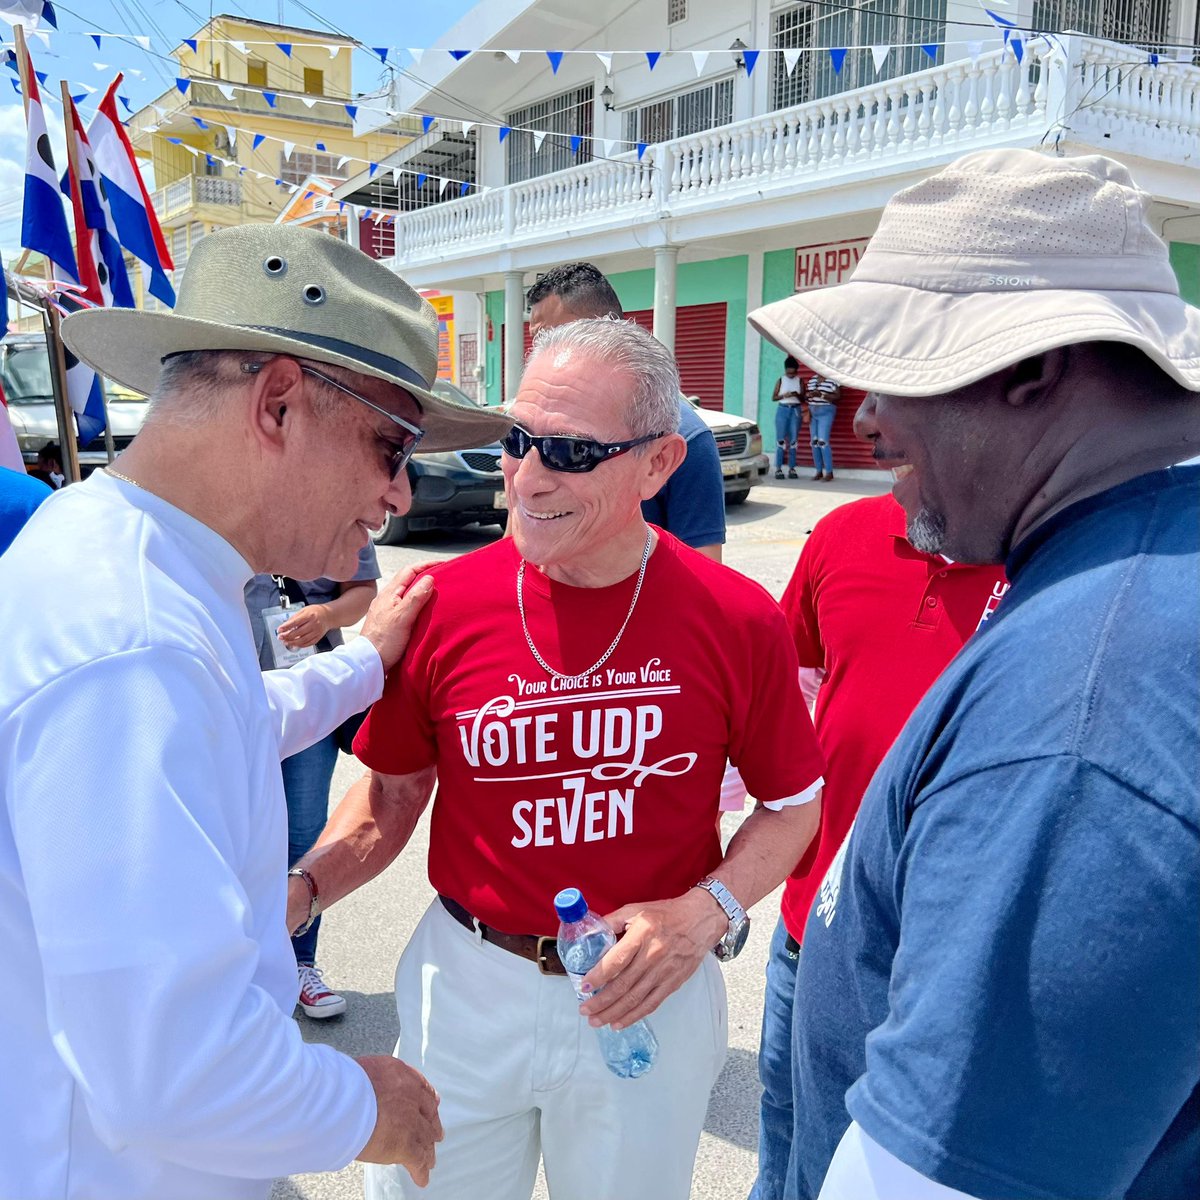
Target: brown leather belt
[541,950]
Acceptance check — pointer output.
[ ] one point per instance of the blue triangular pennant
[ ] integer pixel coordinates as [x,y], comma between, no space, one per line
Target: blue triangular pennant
[382,51]
[201,124]
[426,123]
[321,146]
[208,158]
[16,85]
[352,110]
[931,51]
[192,43]
[79,99]
[175,141]
[837,56]
[459,55]
[999,19]
[125,101]
[751,57]
[1153,60]
[555,57]
[10,61]
[307,195]
[259,138]
[641,149]
[463,188]
[505,130]
[269,97]
[652,57]
[341,206]
[183,85]
[371,169]
[286,47]
[42,76]
[48,15]
[421,180]
[1018,49]
[95,38]
[576,142]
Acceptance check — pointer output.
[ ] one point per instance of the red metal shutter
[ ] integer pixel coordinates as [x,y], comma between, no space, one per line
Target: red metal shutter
[699,349]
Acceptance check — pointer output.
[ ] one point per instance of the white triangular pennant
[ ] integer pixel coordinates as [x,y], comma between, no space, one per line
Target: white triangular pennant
[879,55]
[288,147]
[135,72]
[142,40]
[308,101]
[417,55]
[513,55]
[699,58]
[396,173]
[226,90]
[343,161]
[466,127]
[974,50]
[606,59]
[442,187]
[791,58]
[151,128]
[100,66]
[240,47]
[333,51]
[190,149]
[88,88]
[609,143]
[538,138]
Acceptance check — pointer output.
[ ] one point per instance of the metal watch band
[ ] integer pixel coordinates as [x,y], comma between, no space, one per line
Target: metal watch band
[724,897]
[314,899]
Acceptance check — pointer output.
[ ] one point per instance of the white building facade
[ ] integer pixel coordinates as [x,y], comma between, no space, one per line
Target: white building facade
[750,162]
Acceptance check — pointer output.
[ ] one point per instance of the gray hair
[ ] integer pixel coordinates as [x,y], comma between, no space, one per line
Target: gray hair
[629,349]
[193,386]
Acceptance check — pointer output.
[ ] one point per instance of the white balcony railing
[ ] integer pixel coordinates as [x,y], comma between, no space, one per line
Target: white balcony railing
[1077,89]
[185,194]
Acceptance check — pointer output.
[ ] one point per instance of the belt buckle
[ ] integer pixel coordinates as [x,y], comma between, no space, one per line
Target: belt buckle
[542,957]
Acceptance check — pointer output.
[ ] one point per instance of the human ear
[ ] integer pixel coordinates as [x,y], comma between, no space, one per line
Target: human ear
[275,390]
[665,456]
[1033,379]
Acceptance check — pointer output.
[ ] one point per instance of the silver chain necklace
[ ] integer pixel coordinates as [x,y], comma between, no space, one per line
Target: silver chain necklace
[637,591]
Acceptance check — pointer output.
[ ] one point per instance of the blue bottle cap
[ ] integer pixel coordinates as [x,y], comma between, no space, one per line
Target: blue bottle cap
[570,905]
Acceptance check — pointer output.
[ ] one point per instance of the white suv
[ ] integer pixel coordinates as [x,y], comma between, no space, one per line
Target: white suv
[740,447]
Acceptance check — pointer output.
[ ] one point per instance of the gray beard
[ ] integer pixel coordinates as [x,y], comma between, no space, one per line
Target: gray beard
[927,532]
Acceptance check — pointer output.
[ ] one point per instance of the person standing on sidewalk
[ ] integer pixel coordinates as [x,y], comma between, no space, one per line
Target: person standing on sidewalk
[822,396]
[861,595]
[788,393]
[321,608]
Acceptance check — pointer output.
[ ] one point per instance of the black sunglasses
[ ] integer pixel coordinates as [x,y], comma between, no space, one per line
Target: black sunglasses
[561,453]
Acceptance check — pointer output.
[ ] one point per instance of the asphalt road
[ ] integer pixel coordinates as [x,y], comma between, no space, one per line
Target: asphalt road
[362,937]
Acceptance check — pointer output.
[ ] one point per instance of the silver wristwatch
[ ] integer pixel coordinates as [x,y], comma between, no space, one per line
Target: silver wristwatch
[730,946]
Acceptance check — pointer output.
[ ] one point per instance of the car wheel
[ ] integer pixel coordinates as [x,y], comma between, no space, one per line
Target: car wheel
[392,532]
[737,497]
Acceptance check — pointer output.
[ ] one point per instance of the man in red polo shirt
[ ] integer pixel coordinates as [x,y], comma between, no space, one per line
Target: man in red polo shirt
[577,688]
[875,622]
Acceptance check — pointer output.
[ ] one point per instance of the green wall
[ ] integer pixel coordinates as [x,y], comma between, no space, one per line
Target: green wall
[779,278]
[722,280]
[1185,258]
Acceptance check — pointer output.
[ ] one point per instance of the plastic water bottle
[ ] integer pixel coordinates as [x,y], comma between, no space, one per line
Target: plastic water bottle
[583,940]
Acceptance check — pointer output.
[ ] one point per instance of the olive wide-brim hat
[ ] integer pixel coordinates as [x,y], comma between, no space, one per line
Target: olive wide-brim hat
[282,289]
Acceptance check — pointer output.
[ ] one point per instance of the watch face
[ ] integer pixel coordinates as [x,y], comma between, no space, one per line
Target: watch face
[730,946]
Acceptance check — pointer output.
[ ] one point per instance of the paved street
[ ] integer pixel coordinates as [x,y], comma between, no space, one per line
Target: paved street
[362,938]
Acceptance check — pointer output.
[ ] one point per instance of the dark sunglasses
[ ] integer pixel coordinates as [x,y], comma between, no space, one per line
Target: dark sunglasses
[410,438]
[561,453]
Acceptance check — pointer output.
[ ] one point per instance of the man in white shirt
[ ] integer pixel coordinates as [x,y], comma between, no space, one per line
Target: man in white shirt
[149,1049]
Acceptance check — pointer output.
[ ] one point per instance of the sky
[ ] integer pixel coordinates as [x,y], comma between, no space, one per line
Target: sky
[73,56]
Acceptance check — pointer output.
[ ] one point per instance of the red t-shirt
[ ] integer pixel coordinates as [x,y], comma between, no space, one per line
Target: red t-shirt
[609,783]
[883,620]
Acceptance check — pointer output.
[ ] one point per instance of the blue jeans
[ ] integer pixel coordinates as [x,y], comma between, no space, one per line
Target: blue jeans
[787,433]
[775,1072]
[306,780]
[820,417]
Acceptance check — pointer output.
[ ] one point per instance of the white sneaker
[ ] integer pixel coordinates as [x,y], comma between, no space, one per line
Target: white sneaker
[315,998]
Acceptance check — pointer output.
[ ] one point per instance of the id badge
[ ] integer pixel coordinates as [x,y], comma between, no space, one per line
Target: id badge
[282,655]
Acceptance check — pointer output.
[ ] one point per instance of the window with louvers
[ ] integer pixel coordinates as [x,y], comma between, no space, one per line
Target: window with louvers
[905,25]
[562,117]
[677,116]
[676,11]
[1140,22]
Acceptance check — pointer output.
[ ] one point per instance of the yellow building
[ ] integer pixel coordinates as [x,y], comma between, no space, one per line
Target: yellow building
[302,126]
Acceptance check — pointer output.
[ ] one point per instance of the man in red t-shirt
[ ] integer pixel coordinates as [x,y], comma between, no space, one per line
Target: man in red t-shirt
[576,690]
[875,622]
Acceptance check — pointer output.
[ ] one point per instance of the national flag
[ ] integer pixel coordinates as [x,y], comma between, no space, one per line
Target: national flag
[133,217]
[93,217]
[43,221]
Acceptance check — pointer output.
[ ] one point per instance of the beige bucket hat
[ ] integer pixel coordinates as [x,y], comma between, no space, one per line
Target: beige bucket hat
[1002,255]
[281,289]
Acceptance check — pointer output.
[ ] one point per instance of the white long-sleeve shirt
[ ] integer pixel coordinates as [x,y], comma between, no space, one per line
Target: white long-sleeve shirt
[147,1047]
